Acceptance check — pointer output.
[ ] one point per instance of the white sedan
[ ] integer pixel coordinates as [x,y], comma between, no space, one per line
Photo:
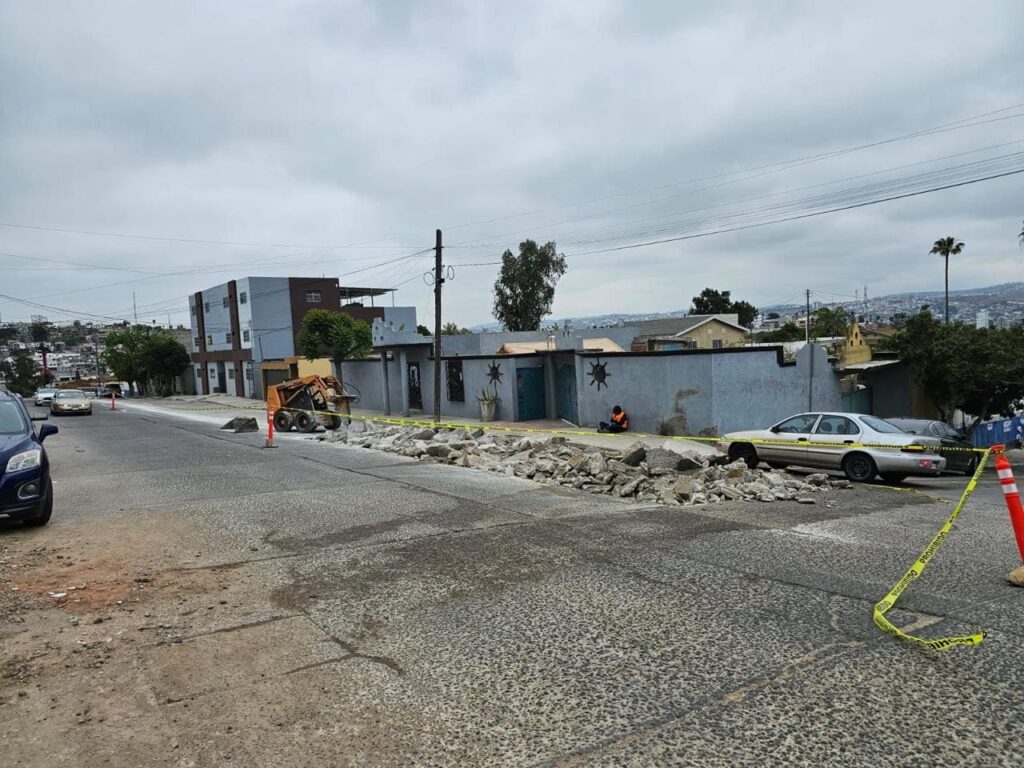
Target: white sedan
[861,446]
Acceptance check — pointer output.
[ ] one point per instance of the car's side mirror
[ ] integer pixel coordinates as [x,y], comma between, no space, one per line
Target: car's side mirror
[46,430]
[774,429]
[42,417]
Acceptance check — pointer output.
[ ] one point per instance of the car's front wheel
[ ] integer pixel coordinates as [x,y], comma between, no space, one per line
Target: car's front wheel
[45,509]
[745,452]
[859,467]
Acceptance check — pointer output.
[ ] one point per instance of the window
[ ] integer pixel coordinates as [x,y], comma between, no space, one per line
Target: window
[836,425]
[193,308]
[224,302]
[227,337]
[196,339]
[245,334]
[456,387]
[243,297]
[798,425]
[717,344]
[313,297]
[231,373]
[209,340]
[206,306]
[248,372]
[213,373]
[881,426]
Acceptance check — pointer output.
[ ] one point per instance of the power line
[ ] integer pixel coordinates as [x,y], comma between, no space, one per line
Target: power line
[801,216]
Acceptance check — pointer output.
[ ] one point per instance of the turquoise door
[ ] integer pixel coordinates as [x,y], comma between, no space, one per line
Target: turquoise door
[565,387]
[530,393]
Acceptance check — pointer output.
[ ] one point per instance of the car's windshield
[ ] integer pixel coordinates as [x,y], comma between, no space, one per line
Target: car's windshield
[881,426]
[12,422]
[71,394]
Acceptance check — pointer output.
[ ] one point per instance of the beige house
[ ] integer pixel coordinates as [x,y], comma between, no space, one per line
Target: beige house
[689,332]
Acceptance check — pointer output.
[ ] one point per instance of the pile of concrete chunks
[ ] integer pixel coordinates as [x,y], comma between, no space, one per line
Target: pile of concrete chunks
[651,474]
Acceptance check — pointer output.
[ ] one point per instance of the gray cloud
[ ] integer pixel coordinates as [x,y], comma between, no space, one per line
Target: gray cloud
[325,123]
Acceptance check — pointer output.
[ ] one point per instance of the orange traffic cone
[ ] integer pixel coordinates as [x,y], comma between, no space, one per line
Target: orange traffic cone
[1014,506]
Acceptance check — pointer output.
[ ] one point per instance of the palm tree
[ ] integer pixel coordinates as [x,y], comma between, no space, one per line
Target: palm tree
[946,247]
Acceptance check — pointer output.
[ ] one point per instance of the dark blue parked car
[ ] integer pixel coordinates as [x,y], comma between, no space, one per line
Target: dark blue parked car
[26,492]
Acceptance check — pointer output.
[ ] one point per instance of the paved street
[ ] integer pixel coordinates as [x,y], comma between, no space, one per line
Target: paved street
[325,605]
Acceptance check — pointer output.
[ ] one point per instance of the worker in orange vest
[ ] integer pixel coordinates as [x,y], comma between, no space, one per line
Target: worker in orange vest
[619,422]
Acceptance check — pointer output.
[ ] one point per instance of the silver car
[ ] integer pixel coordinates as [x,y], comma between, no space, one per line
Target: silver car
[845,441]
[44,395]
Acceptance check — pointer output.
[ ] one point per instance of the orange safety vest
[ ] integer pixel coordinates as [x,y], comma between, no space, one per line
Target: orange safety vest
[622,419]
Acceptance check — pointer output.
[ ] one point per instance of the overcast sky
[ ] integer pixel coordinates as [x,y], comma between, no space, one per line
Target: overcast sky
[350,131]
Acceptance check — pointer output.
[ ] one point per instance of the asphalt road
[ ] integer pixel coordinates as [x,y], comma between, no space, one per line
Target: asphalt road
[324,605]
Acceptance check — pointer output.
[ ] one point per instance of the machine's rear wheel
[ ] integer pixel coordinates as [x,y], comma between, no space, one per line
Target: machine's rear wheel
[282,421]
[304,422]
[334,423]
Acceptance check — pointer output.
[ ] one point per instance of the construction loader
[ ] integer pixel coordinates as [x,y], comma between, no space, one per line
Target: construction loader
[308,402]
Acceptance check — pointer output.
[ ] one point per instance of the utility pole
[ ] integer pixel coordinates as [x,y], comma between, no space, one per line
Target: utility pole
[807,317]
[135,309]
[810,351]
[438,280]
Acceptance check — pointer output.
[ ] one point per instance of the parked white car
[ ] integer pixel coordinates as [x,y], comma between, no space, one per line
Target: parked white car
[836,441]
[44,395]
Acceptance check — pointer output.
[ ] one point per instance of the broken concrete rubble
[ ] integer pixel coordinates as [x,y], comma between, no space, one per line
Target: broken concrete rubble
[653,475]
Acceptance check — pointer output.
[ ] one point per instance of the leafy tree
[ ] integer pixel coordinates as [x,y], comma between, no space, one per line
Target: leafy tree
[979,371]
[773,316]
[334,335]
[715,302]
[165,357]
[830,322]
[125,355]
[451,329]
[21,373]
[788,332]
[422,330]
[525,288]
[946,247]
[40,332]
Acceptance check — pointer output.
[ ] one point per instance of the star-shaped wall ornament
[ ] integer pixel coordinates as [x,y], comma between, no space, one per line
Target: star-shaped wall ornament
[494,372]
[598,374]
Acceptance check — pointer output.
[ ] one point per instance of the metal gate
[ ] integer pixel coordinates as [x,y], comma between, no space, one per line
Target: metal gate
[415,391]
[861,401]
[565,389]
[530,393]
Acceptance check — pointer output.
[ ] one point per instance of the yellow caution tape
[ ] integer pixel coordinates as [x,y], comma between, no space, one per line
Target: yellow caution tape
[887,603]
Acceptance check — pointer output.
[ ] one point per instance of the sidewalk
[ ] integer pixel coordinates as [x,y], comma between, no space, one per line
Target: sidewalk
[230,405]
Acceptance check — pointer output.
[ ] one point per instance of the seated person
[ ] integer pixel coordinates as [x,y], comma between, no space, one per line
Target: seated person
[619,422]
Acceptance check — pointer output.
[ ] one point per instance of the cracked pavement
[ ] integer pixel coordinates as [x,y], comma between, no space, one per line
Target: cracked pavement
[312,604]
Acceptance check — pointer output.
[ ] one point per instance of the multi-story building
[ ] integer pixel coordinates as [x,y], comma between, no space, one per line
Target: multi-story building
[239,326]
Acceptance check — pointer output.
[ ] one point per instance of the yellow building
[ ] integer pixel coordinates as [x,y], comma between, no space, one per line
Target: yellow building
[690,332]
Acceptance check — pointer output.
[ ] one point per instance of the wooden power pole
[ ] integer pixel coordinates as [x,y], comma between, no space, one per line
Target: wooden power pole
[438,280]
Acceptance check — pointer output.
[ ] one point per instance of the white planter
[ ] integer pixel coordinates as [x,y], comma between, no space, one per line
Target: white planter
[488,409]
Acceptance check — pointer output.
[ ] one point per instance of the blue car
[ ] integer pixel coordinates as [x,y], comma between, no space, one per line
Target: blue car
[26,492]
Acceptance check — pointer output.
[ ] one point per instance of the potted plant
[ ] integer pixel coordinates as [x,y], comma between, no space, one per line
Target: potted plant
[488,405]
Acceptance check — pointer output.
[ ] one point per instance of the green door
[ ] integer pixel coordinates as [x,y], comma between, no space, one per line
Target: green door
[565,387]
[530,393]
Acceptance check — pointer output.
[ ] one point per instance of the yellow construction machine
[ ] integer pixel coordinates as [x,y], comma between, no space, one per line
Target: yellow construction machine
[307,402]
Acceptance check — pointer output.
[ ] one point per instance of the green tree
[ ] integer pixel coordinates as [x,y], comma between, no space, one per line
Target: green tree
[334,335]
[979,371]
[165,357]
[451,329]
[125,355]
[21,373]
[714,302]
[525,288]
[946,247]
[788,332]
[830,322]
[422,330]
[40,332]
